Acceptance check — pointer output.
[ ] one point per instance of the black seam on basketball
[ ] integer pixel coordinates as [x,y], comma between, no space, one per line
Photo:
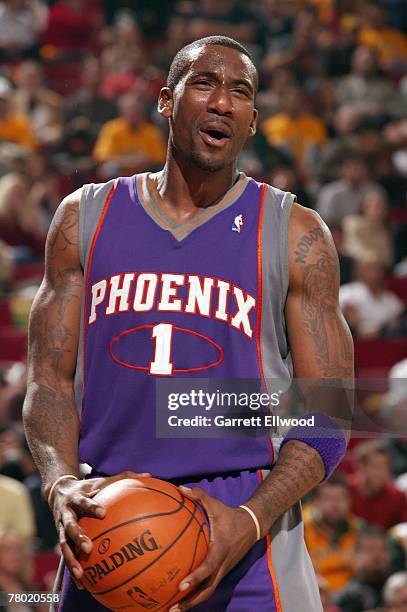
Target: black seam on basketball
[204,534]
[135,520]
[179,501]
[151,562]
[201,530]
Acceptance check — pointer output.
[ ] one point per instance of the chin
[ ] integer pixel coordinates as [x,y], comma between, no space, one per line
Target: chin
[207,163]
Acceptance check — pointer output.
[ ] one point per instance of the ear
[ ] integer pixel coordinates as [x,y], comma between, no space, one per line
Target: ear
[165,102]
[253,123]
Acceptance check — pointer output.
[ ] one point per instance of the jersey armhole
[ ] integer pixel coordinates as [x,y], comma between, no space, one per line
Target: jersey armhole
[286,208]
[82,225]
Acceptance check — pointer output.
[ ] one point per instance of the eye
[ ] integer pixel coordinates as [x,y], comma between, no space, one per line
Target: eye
[242,91]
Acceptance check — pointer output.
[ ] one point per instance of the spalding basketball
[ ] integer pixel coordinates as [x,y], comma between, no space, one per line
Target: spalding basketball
[150,539]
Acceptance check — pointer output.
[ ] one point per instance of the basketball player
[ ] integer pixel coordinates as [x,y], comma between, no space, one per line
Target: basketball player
[153,261]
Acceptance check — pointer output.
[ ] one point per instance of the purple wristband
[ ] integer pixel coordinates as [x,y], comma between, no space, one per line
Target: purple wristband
[325,436]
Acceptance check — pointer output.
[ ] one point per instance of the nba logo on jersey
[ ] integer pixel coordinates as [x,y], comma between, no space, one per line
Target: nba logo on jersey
[237,224]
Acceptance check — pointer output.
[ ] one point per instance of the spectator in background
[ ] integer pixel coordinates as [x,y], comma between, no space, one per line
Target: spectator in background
[391,45]
[40,105]
[366,89]
[87,104]
[209,17]
[295,131]
[368,235]
[21,22]
[285,177]
[370,309]
[15,458]
[269,101]
[85,112]
[372,567]
[130,143]
[44,187]
[346,263]
[46,535]
[375,498]
[332,155]
[331,532]
[15,571]
[14,127]
[393,417]
[16,512]
[124,61]
[395,592]
[325,595]
[71,29]
[6,270]
[20,217]
[344,196]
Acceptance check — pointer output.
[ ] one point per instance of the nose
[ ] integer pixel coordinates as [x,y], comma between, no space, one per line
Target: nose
[220,102]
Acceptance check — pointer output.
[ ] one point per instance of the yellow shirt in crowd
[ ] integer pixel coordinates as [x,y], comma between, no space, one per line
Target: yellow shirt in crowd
[390,44]
[331,554]
[118,138]
[16,128]
[295,134]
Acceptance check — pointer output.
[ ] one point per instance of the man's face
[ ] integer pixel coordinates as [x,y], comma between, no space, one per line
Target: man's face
[354,171]
[372,559]
[333,503]
[211,110]
[376,471]
[131,110]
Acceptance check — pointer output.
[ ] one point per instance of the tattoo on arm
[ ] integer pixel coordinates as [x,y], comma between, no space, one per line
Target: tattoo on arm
[298,470]
[50,415]
[322,320]
[66,234]
[304,245]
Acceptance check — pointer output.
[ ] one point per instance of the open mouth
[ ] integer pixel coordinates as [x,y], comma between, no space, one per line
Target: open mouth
[214,137]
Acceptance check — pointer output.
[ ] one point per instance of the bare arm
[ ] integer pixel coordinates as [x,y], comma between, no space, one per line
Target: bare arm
[50,416]
[322,350]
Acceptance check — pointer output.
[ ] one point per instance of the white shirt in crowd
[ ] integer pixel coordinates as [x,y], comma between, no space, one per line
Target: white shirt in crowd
[372,310]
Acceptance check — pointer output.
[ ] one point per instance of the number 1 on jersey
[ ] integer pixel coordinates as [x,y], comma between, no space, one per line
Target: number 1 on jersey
[161,364]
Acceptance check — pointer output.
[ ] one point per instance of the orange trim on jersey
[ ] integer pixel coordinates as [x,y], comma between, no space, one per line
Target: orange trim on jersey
[211,209]
[89,263]
[260,297]
[270,563]
[260,283]
[187,227]
[160,219]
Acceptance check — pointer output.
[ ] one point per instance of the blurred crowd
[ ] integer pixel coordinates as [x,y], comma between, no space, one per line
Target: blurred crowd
[78,88]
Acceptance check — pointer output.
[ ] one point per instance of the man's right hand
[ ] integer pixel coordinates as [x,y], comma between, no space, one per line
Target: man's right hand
[72,499]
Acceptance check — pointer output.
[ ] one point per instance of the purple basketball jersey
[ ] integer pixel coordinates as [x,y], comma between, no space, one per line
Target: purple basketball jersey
[201,300]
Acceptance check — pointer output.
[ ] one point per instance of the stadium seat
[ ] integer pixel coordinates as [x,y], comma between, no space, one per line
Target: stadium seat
[5,314]
[13,344]
[27,271]
[398,285]
[44,562]
[63,77]
[379,354]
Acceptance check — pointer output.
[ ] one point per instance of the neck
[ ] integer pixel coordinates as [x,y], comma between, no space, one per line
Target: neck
[186,187]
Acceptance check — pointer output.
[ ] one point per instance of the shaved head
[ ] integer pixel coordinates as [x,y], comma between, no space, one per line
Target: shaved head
[187,54]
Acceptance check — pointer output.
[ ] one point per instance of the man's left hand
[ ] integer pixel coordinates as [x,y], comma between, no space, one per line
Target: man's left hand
[232,534]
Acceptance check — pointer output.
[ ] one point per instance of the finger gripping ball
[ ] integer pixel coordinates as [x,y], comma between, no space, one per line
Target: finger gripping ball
[150,539]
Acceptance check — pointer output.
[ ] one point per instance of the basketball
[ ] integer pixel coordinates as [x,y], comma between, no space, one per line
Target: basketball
[150,539]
